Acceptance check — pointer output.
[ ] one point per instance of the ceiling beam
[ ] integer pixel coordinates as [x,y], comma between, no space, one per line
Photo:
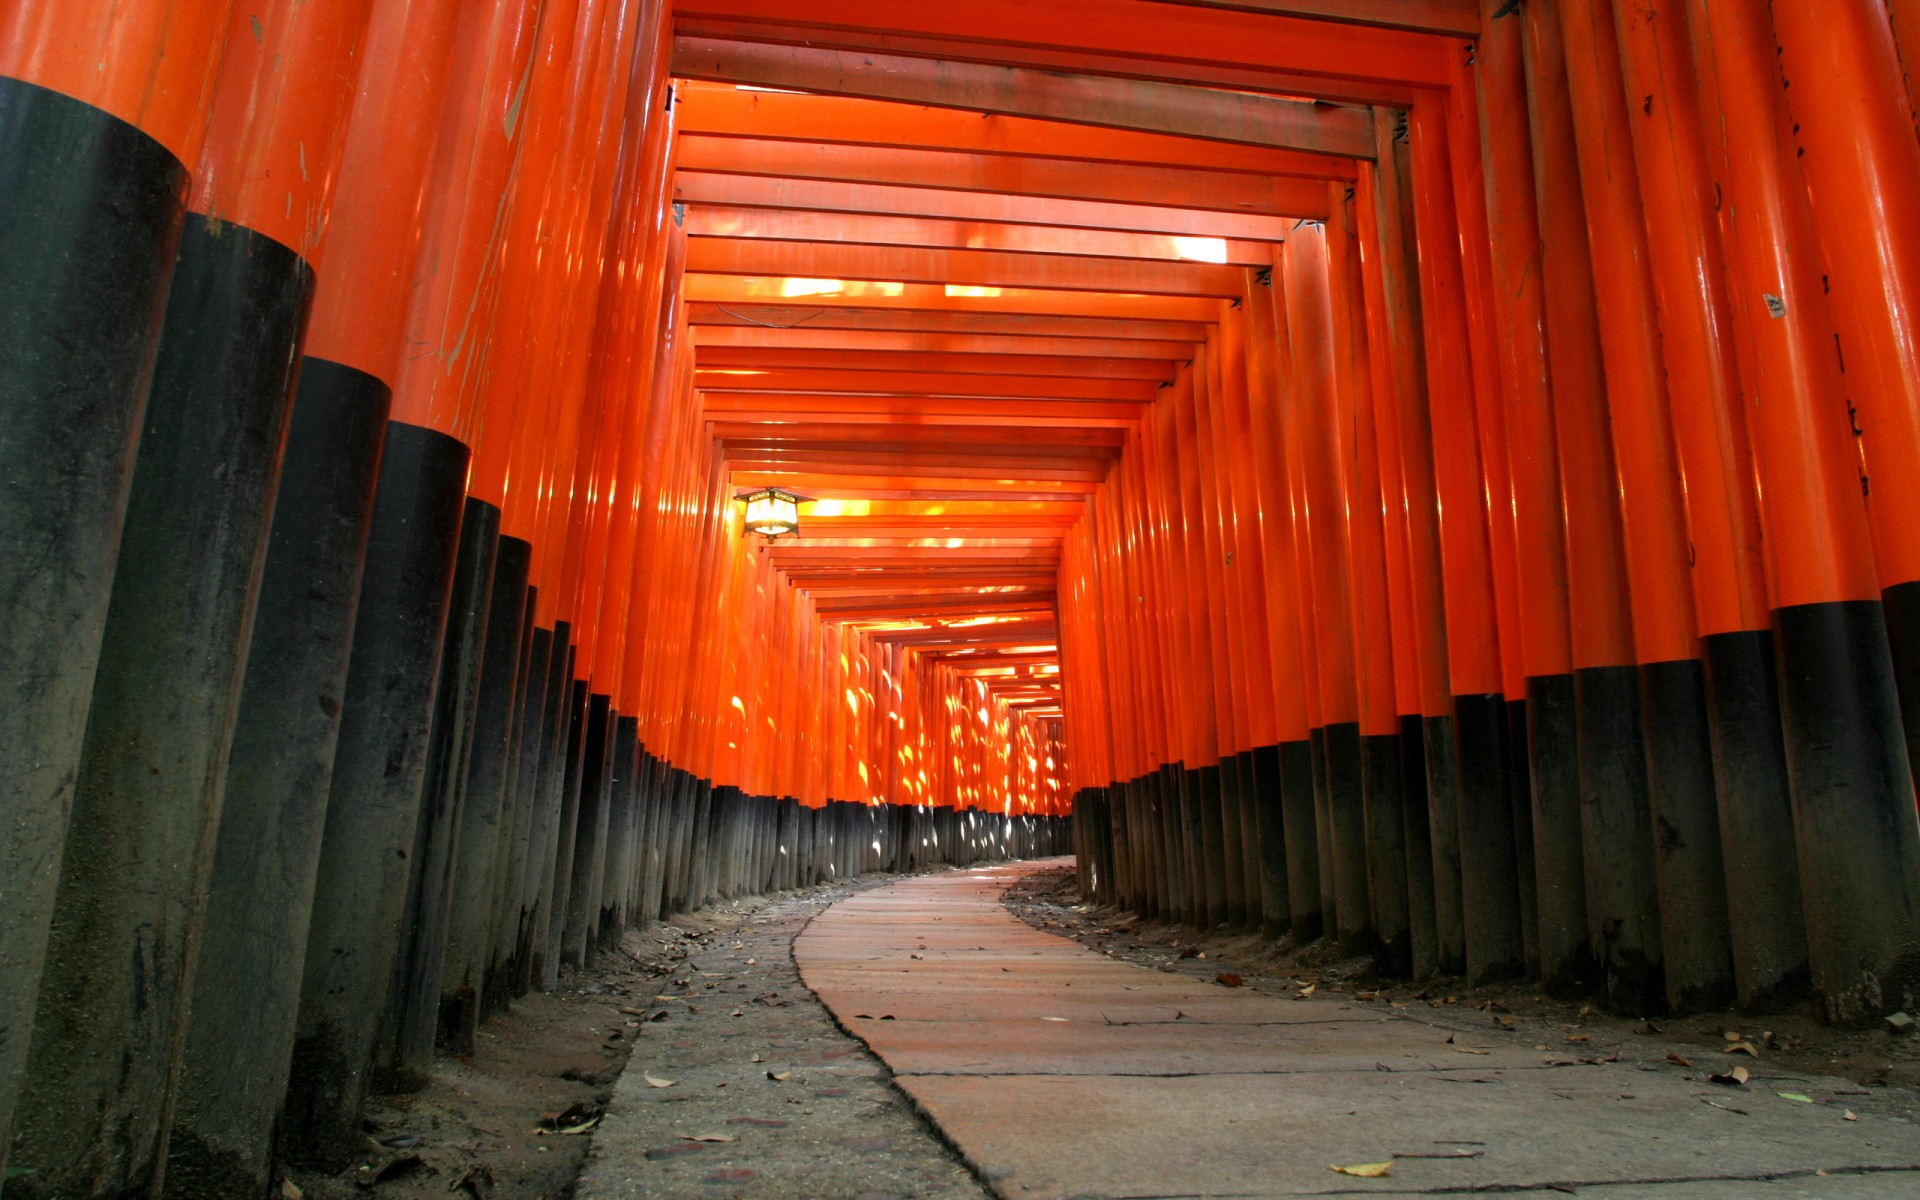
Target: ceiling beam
[734,290]
[1447,18]
[745,112]
[1151,357]
[801,380]
[961,268]
[708,356]
[1139,29]
[1049,178]
[944,203]
[729,430]
[1167,108]
[779,318]
[1075,59]
[933,233]
[897,410]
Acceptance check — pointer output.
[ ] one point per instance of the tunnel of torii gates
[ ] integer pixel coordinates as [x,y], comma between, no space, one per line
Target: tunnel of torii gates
[1438,475]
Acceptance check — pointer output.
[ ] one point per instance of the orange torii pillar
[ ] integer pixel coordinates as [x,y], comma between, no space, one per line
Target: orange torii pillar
[1285,769]
[1851,131]
[1317,454]
[374,861]
[1383,757]
[151,777]
[1417,602]
[1546,790]
[1684,211]
[1259,780]
[1467,751]
[101,138]
[1622,907]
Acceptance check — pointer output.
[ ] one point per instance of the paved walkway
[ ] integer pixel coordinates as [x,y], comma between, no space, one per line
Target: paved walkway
[1058,1072]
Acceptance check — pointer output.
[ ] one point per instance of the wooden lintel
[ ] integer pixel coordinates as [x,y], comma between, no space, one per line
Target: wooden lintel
[1221,116]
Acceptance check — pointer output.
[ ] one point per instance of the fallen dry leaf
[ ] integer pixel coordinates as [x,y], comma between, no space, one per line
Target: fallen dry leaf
[1579,1037]
[1675,1058]
[656,1081]
[1848,1116]
[1743,1048]
[1228,979]
[289,1190]
[1735,1078]
[1469,1050]
[779,1076]
[704,1137]
[756,1058]
[1364,1170]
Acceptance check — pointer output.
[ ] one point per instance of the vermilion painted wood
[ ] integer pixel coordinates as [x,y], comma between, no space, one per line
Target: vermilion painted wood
[359,305]
[457,269]
[274,137]
[1046,178]
[935,202]
[1376,701]
[1144,358]
[1473,647]
[1689,270]
[1600,621]
[1411,452]
[1520,317]
[1316,443]
[1818,540]
[743,112]
[1347,89]
[1126,27]
[1241,490]
[722,358]
[1664,628]
[1384,416]
[1470,196]
[1206,113]
[1273,478]
[152,66]
[1861,164]
[783,225]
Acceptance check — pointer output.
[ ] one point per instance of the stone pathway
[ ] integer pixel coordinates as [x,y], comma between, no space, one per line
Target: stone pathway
[1059,1072]
[740,1086]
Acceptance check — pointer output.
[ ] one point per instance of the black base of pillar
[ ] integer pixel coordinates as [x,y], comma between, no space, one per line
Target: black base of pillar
[1443,828]
[406,1058]
[1489,873]
[1417,824]
[1769,936]
[1686,823]
[1276,907]
[92,208]
[247,997]
[1623,905]
[1853,809]
[111,1016]
[1567,969]
[1347,815]
[1302,841]
[374,802]
[1380,764]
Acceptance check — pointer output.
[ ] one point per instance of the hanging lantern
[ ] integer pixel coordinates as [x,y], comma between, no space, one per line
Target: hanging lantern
[772,513]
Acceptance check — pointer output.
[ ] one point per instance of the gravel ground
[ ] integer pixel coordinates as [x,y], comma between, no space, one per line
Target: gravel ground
[742,1085]
[1884,1069]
